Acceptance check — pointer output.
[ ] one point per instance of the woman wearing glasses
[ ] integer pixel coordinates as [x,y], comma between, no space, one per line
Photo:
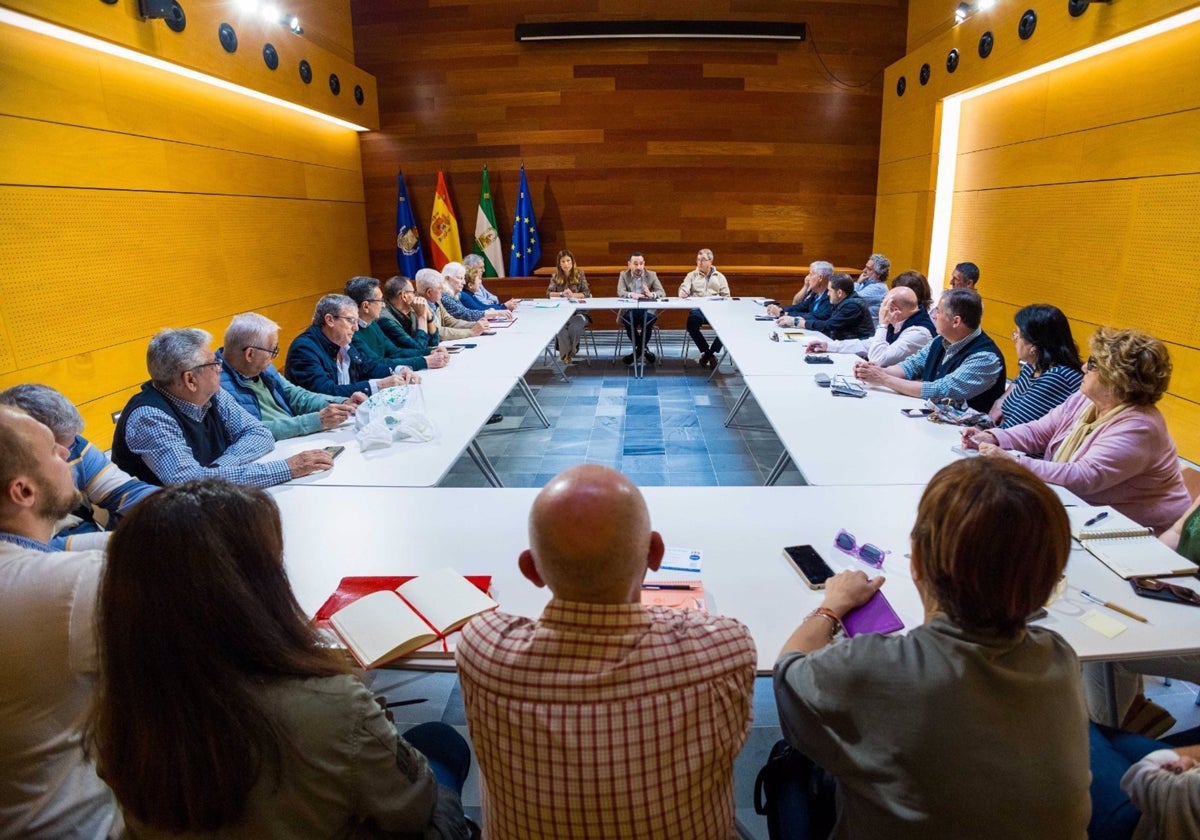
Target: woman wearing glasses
[1108,444]
[218,710]
[568,281]
[1050,367]
[973,723]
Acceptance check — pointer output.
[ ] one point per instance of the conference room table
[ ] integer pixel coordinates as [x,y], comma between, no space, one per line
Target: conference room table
[349,531]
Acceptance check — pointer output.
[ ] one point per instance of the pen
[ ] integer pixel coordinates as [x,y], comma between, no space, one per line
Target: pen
[667,586]
[1113,606]
[412,702]
[1103,514]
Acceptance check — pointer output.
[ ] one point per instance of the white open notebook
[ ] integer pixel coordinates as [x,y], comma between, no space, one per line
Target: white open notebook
[385,625]
[1129,549]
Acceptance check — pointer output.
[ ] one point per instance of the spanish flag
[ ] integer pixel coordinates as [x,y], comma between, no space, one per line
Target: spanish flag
[443,228]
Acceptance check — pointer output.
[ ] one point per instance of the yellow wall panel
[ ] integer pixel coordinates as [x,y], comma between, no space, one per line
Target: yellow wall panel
[908,175]
[1004,117]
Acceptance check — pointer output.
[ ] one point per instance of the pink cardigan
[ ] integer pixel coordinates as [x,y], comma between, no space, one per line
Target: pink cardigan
[1130,463]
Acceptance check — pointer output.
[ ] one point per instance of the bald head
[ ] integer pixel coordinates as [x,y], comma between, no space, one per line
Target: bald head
[898,305]
[590,537]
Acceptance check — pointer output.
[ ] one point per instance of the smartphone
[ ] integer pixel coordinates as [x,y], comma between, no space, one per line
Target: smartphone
[467,346]
[916,412]
[453,348]
[811,566]
[485,332]
[335,451]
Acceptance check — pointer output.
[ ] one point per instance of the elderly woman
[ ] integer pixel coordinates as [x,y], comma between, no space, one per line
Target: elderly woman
[474,294]
[568,281]
[1108,444]
[219,711]
[973,723]
[1050,367]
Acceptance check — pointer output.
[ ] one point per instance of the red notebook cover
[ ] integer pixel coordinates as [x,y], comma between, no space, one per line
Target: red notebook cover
[350,589]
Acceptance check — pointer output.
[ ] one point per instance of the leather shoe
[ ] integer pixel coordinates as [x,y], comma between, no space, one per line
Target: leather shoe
[650,358]
[705,358]
[627,358]
[712,361]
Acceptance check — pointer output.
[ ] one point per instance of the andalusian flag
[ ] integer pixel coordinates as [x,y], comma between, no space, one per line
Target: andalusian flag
[526,246]
[487,240]
[443,228]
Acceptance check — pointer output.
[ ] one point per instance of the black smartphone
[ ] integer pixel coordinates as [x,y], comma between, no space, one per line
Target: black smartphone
[467,346]
[335,451]
[811,566]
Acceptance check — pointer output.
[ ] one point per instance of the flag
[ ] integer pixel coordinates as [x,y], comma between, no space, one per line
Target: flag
[526,247]
[409,258]
[487,240]
[443,228]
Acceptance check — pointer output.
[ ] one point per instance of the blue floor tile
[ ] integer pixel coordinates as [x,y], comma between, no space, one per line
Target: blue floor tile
[697,478]
[643,449]
[643,463]
[647,479]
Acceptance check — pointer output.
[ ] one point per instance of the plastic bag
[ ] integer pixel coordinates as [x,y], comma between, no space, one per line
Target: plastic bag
[392,415]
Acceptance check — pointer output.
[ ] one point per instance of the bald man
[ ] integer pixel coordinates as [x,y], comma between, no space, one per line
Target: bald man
[904,328]
[604,718]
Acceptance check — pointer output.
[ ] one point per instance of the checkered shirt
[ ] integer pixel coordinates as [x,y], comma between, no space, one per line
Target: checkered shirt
[606,721]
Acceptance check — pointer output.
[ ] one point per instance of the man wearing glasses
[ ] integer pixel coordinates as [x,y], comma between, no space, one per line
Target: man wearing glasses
[287,410]
[182,426]
[406,317]
[373,339]
[322,358]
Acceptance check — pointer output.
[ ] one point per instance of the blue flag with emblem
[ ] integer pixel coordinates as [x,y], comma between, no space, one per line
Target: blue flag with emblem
[409,257]
[526,247]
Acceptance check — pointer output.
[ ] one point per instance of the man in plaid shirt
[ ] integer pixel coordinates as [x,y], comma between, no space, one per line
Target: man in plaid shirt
[604,718]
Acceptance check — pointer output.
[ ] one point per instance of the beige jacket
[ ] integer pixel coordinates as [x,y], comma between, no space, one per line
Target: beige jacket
[697,285]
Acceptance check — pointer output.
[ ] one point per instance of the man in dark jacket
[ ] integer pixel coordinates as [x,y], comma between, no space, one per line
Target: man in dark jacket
[850,316]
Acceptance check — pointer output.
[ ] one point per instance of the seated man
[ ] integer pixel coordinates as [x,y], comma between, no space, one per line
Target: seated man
[904,328]
[48,785]
[704,282]
[103,484]
[322,358]
[604,718]
[849,317]
[813,297]
[872,283]
[454,277]
[182,425]
[638,283]
[408,310]
[430,286]
[287,410]
[372,340]
[962,363]
[964,276]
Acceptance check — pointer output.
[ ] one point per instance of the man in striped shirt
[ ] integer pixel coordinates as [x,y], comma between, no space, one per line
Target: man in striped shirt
[604,718]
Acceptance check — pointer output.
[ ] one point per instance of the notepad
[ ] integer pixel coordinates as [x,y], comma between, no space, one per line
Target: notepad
[691,598]
[501,324]
[1129,549]
[387,624]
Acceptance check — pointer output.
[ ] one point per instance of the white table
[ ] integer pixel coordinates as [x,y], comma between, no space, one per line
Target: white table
[379,531]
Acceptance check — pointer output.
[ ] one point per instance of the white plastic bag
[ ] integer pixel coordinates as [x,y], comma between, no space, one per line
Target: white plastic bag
[391,415]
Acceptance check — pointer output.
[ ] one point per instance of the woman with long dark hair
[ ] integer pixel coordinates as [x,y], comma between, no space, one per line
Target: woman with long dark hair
[1051,370]
[219,709]
[568,281]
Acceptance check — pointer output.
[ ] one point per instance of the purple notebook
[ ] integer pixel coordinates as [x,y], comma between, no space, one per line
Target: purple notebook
[875,616]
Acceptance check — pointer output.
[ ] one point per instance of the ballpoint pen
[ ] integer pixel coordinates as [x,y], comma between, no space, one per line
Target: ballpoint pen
[667,586]
[1101,515]
[1112,606]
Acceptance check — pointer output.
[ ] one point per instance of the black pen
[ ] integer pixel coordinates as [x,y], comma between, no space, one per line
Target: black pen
[412,702]
[667,586]
[1095,519]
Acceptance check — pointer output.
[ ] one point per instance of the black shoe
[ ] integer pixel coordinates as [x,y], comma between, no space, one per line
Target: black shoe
[705,358]
[495,418]
[650,358]
[627,358]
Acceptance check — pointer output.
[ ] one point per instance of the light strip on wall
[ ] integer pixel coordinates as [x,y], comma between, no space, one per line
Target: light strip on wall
[943,199]
[70,36]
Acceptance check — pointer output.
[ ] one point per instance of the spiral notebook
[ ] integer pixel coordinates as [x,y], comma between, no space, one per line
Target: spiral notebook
[1129,549]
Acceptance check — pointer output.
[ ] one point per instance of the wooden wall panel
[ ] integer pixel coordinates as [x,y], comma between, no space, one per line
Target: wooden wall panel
[663,146]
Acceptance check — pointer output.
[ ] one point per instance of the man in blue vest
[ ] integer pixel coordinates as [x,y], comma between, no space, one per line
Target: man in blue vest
[287,410]
[182,426]
[962,363]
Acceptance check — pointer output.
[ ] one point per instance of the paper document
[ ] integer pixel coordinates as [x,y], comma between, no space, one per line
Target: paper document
[678,559]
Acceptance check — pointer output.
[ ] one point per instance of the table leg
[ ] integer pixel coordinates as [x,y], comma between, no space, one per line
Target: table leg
[1110,695]
[717,367]
[782,464]
[737,405]
[485,466]
[527,392]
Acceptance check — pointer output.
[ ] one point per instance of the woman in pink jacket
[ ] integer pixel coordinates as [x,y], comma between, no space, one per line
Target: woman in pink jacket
[1108,444]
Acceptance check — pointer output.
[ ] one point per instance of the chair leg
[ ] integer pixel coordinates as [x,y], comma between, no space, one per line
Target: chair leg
[620,341]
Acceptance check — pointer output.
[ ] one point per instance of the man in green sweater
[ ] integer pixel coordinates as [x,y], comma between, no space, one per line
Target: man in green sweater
[372,340]
[287,410]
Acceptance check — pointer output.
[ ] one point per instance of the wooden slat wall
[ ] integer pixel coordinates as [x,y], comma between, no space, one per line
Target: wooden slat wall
[660,146]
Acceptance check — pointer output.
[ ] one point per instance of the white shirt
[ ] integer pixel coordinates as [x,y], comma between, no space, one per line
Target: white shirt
[879,351]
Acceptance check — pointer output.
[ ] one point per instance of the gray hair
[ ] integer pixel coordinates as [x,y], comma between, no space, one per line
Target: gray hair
[248,330]
[821,268]
[706,253]
[473,260]
[453,269]
[394,286]
[428,278]
[882,266]
[171,352]
[359,288]
[331,305]
[47,406]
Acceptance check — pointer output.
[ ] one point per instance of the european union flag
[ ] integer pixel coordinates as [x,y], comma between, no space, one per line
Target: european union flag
[409,258]
[526,247]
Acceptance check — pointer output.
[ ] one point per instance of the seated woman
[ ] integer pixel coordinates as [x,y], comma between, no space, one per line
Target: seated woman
[568,281]
[916,281]
[218,708]
[1142,788]
[474,295]
[1050,367]
[1108,444]
[973,723]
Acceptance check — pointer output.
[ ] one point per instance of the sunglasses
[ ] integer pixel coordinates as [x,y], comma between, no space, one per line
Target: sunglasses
[872,555]
[1153,588]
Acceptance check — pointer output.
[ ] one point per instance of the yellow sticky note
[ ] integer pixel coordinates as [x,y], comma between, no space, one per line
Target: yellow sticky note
[1104,624]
